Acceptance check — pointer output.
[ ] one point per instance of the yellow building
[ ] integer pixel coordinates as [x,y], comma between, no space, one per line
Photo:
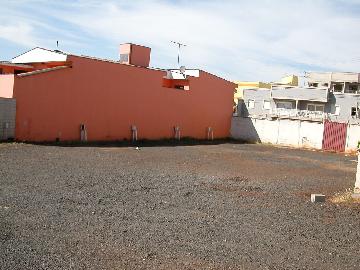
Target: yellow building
[290,80]
[239,90]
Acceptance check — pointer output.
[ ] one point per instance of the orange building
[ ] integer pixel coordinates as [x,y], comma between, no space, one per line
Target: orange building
[67,97]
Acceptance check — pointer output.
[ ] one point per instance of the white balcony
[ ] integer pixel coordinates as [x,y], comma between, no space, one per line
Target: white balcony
[302,114]
[300,93]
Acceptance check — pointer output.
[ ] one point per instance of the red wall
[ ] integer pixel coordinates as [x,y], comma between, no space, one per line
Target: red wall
[109,97]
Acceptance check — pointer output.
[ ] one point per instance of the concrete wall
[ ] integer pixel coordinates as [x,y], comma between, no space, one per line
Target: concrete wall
[295,133]
[288,132]
[353,137]
[333,76]
[110,97]
[7,118]
[258,95]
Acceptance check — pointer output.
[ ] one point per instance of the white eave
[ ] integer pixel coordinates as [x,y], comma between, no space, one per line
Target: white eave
[39,55]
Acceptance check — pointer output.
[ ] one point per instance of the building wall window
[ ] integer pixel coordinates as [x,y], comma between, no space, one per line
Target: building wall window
[315,107]
[337,110]
[353,111]
[353,88]
[266,105]
[284,105]
[124,58]
[251,104]
[338,87]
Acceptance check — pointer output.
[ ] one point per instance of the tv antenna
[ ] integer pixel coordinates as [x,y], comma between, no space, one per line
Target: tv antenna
[179,47]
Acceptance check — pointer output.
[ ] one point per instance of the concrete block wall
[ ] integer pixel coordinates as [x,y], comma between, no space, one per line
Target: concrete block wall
[288,132]
[7,118]
[311,134]
[295,133]
[352,137]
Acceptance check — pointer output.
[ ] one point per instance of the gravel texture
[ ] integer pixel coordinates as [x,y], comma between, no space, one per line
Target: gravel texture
[226,206]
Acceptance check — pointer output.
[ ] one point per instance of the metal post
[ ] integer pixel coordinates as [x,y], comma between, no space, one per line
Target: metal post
[179,55]
[179,48]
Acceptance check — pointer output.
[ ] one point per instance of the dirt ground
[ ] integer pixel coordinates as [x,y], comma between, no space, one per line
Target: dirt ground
[226,206]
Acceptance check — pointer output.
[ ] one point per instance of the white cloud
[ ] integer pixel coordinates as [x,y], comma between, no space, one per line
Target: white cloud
[240,40]
[19,33]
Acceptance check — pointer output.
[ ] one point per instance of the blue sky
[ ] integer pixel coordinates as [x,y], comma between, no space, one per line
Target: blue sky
[238,40]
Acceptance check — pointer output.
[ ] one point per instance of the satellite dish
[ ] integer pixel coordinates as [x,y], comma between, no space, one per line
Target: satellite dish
[182,69]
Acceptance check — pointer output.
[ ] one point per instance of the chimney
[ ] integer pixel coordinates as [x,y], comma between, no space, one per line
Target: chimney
[132,54]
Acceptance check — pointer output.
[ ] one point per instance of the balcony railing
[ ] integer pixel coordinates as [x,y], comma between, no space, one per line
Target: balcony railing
[294,113]
[281,112]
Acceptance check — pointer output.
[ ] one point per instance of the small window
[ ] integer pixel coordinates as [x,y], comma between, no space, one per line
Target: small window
[353,111]
[1,71]
[251,104]
[338,87]
[337,110]
[284,105]
[124,58]
[353,88]
[315,107]
[311,107]
[319,108]
[325,84]
[266,105]
[313,84]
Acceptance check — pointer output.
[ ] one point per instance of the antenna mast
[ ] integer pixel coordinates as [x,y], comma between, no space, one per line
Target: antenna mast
[179,47]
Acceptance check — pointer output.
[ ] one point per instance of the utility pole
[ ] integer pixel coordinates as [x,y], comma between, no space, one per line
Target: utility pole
[179,47]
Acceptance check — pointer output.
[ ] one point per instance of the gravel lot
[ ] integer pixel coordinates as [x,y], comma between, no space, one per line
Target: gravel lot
[226,206]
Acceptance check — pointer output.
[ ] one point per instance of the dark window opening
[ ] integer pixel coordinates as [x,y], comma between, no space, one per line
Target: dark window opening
[326,84]
[353,111]
[338,87]
[1,71]
[353,88]
[313,84]
[17,71]
[176,84]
